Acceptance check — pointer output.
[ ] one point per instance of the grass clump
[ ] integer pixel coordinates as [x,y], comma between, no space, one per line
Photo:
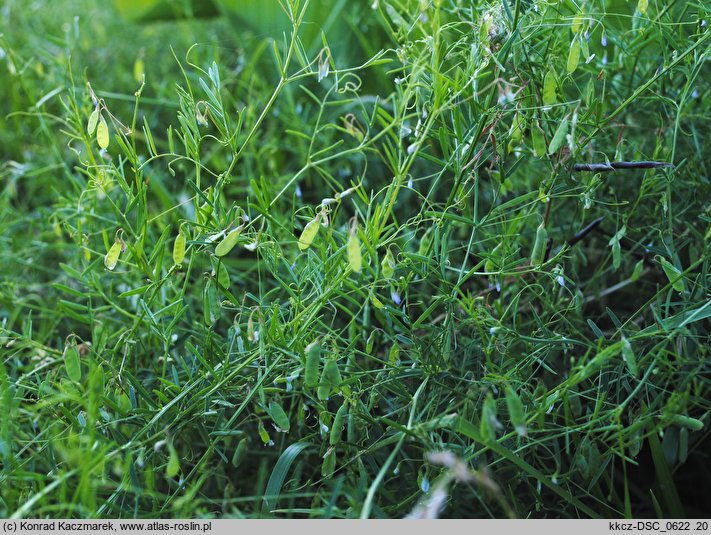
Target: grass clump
[267,281]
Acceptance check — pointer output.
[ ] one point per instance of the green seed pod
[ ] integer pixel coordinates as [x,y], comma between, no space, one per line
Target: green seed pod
[332,374]
[387,266]
[628,356]
[539,246]
[72,362]
[263,434]
[549,88]
[516,411]
[687,421]
[211,307]
[672,273]
[228,242]
[223,276]
[517,127]
[179,248]
[539,140]
[313,359]
[329,463]
[324,390]
[173,466]
[309,233]
[239,452]
[573,55]
[351,428]
[330,379]
[488,417]
[338,421]
[559,136]
[277,414]
[377,303]
[616,254]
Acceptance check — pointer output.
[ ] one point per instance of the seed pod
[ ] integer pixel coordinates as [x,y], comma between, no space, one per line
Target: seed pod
[672,273]
[354,257]
[324,390]
[351,428]
[377,303]
[549,89]
[329,463]
[559,136]
[228,243]
[387,266]
[573,55]
[111,258]
[263,434]
[93,120]
[72,363]
[210,305]
[637,271]
[539,141]
[179,248]
[173,466]
[277,414]
[487,424]
[517,127]
[516,411]
[239,452]
[313,359]
[102,133]
[687,421]
[539,246]
[338,421]
[394,355]
[223,276]
[616,254]
[330,378]
[138,69]
[628,356]
[332,374]
[309,233]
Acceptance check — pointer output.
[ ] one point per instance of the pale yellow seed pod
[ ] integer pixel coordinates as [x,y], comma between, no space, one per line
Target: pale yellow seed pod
[573,55]
[111,258]
[309,233]
[354,257]
[228,243]
[102,133]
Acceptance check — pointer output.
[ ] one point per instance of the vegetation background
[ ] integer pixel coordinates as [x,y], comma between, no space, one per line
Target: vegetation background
[253,273]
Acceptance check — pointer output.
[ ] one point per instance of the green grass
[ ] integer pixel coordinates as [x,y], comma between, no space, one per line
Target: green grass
[567,378]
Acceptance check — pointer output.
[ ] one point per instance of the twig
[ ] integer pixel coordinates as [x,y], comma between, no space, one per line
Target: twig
[613,166]
[584,232]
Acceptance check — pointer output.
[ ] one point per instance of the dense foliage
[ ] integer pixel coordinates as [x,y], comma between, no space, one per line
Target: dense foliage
[255,276]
